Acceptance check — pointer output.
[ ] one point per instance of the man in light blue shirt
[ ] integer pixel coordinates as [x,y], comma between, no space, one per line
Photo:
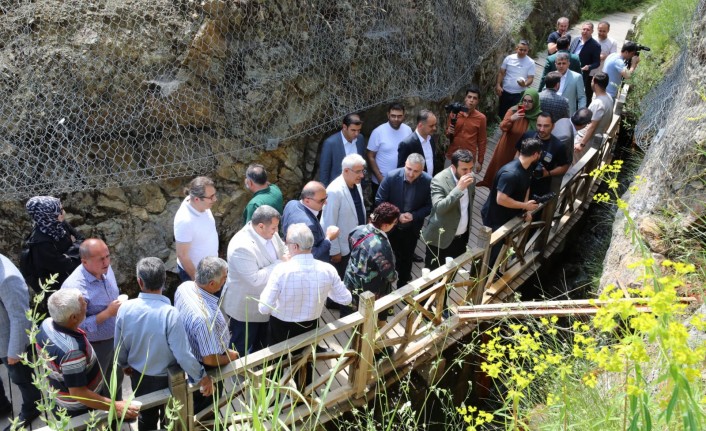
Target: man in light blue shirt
[149,338]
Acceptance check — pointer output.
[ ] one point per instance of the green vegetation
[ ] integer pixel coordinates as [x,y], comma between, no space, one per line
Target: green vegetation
[596,9]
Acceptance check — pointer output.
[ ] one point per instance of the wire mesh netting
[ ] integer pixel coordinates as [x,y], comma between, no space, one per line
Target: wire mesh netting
[97,94]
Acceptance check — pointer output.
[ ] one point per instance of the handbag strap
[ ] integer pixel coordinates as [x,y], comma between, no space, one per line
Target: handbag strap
[357,243]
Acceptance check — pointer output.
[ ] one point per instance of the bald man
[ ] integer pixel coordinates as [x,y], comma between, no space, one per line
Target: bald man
[307,210]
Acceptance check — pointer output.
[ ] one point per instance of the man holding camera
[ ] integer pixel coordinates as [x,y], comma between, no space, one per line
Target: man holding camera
[616,66]
[553,161]
[466,128]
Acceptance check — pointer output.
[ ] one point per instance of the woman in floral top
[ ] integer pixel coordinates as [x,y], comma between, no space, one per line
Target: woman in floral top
[372,262]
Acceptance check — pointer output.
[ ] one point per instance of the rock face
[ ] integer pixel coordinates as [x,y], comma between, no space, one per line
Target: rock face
[670,200]
[114,106]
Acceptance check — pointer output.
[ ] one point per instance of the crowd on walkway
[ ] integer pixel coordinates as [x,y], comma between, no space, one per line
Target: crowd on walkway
[353,230]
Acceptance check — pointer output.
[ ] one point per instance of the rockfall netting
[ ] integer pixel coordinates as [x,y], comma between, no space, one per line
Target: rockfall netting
[97,94]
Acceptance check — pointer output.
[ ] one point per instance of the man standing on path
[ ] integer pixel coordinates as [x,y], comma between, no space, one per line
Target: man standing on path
[95,279]
[550,101]
[562,29]
[195,228]
[383,143]
[616,69]
[589,52]
[571,84]
[467,130]
[149,338]
[14,326]
[409,189]
[602,109]
[264,193]
[345,209]
[550,63]
[608,45]
[307,210]
[565,129]
[515,75]
[339,145]
[253,253]
[421,141]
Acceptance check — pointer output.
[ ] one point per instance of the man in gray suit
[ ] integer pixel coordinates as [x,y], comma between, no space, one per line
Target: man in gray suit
[571,84]
[339,145]
[253,253]
[14,302]
[345,208]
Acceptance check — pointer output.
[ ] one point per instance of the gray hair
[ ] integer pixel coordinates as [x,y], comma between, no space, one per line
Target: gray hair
[300,234]
[416,159]
[210,268]
[152,272]
[197,187]
[562,56]
[562,19]
[63,304]
[351,160]
[264,214]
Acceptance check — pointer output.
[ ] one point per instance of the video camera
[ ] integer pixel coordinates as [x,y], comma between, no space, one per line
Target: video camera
[642,48]
[541,199]
[544,161]
[455,108]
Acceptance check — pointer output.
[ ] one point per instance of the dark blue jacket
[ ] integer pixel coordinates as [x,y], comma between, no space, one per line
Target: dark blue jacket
[296,212]
[332,154]
[391,190]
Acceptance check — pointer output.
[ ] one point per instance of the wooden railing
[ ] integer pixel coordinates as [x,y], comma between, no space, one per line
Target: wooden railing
[271,384]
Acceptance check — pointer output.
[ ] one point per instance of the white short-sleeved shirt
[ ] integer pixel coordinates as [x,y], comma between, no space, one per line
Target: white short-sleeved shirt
[608,46]
[602,108]
[384,141]
[197,228]
[514,68]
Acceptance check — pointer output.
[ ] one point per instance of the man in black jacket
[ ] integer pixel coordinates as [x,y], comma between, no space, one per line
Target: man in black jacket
[589,51]
[420,141]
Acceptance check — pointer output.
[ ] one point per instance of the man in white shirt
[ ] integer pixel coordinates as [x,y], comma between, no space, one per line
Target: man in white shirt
[602,109]
[608,44]
[195,228]
[516,74]
[383,143]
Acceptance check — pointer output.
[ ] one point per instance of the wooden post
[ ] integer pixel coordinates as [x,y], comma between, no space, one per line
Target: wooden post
[179,387]
[361,367]
[483,241]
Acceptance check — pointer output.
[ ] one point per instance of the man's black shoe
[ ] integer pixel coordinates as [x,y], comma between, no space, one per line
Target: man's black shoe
[322,349]
[416,258]
[5,409]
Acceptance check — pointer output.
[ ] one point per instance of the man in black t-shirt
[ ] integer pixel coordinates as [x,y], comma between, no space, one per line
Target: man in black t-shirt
[509,196]
[554,160]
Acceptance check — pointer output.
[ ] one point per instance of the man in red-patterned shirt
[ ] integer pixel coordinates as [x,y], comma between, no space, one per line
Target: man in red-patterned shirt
[467,130]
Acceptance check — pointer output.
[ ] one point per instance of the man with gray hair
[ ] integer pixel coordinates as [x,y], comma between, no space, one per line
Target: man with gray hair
[253,253]
[570,84]
[149,338]
[194,227]
[204,323]
[14,326]
[75,373]
[409,189]
[421,141]
[345,208]
[295,293]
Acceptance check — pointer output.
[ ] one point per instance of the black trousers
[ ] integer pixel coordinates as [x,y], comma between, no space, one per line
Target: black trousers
[507,100]
[21,375]
[587,86]
[403,242]
[437,256]
[281,330]
[143,384]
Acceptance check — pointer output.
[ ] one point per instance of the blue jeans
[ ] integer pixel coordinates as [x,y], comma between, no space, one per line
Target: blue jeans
[255,333]
[183,276]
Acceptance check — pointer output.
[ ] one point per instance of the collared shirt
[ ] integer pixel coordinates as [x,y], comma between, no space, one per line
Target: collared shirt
[203,321]
[297,290]
[562,84]
[463,223]
[98,293]
[149,337]
[470,133]
[267,244]
[554,104]
[579,46]
[348,146]
[74,363]
[428,153]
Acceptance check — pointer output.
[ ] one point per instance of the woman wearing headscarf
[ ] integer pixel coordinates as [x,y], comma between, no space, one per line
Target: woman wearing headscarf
[517,121]
[372,263]
[53,243]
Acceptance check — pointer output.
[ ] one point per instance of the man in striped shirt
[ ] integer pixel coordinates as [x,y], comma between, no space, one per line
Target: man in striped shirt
[205,325]
[75,372]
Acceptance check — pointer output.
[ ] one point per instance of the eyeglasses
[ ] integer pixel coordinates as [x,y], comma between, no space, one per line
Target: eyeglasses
[319,201]
[361,171]
[530,101]
[213,197]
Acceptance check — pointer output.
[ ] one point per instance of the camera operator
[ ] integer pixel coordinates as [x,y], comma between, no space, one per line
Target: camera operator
[553,161]
[616,65]
[509,195]
[466,128]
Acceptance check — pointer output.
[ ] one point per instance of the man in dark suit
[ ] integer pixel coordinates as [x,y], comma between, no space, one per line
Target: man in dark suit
[589,52]
[306,210]
[409,189]
[420,141]
[337,146]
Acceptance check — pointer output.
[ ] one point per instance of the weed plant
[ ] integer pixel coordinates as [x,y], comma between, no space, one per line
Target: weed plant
[626,369]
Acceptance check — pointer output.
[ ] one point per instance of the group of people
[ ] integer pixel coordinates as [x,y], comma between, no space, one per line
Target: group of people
[289,261]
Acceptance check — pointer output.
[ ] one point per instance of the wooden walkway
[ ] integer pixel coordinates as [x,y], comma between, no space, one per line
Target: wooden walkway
[269,384]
